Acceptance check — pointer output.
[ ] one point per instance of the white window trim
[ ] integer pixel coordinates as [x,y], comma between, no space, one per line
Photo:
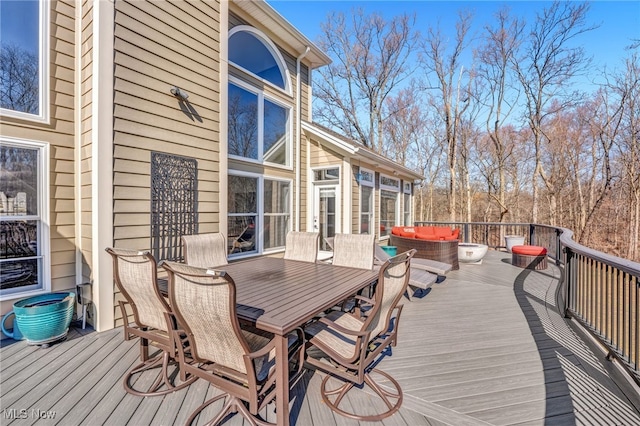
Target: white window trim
[389,187]
[407,190]
[372,220]
[327,181]
[43,216]
[290,182]
[260,212]
[261,98]
[274,51]
[372,182]
[44,71]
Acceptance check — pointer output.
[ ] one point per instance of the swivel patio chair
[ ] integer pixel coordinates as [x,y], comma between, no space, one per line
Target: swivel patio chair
[205,250]
[302,246]
[347,345]
[236,361]
[423,273]
[354,250]
[135,275]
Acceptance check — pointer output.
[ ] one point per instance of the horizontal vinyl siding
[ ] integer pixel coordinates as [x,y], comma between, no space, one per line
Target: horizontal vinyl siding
[86,134]
[59,134]
[160,45]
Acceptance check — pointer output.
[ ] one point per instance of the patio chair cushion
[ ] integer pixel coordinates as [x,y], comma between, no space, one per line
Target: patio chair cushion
[430,237]
[404,231]
[529,250]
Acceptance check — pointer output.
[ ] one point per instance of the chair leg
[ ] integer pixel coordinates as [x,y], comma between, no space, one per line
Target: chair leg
[162,362]
[232,405]
[392,398]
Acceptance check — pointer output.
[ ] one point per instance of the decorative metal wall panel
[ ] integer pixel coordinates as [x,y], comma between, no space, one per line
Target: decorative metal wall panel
[174,203]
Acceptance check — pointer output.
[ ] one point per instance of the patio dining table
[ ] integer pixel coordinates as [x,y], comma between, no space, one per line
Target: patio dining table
[278,295]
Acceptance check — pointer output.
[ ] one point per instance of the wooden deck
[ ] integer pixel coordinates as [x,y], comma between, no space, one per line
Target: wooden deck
[484,346]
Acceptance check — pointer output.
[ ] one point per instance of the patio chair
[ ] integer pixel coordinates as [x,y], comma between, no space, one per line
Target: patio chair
[354,250]
[236,361]
[347,345]
[135,275]
[302,246]
[419,277]
[205,250]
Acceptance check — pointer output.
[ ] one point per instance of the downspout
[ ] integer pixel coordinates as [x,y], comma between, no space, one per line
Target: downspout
[298,134]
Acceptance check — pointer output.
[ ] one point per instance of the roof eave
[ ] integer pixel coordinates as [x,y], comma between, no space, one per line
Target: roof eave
[354,151]
[264,13]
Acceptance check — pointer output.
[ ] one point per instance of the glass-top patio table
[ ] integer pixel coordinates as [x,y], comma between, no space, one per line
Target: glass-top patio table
[278,295]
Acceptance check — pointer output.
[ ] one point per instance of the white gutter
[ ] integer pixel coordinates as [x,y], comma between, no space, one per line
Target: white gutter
[298,133]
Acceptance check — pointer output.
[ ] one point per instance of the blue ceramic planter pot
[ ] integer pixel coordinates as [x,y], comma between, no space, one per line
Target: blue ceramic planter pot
[391,250]
[45,318]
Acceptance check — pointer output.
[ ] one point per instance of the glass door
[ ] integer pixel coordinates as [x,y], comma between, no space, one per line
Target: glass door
[325,212]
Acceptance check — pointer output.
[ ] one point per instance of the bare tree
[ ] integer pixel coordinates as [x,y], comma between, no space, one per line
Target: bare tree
[404,127]
[545,69]
[627,87]
[370,60]
[449,103]
[500,94]
[19,89]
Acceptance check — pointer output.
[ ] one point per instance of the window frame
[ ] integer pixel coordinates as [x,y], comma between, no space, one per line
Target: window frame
[407,204]
[44,242]
[44,66]
[260,214]
[264,214]
[275,52]
[389,188]
[262,96]
[370,184]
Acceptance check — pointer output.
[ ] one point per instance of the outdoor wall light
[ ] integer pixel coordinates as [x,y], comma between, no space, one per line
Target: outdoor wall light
[178,93]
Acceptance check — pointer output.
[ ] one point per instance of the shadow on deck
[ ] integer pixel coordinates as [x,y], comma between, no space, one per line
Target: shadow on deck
[484,346]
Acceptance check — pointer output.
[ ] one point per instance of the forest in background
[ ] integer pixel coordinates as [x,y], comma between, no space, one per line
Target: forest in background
[493,120]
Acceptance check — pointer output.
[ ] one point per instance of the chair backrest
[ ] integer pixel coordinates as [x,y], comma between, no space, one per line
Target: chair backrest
[135,274]
[205,250]
[302,246]
[380,255]
[354,250]
[392,283]
[204,302]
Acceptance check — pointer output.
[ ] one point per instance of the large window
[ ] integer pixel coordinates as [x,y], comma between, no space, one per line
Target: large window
[365,178]
[24,67]
[259,128]
[24,244]
[389,190]
[277,211]
[259,213]
[251,51]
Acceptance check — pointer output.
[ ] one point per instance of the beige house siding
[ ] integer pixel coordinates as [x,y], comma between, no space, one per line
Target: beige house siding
[85,155]
[59,134]
[159,45]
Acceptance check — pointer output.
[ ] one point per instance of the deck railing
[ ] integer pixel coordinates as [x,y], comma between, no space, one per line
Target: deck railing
[602,292]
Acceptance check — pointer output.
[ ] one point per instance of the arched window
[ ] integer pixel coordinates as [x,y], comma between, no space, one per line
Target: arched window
[248,49]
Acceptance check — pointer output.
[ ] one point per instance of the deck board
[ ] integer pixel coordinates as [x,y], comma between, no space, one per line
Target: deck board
[484,346]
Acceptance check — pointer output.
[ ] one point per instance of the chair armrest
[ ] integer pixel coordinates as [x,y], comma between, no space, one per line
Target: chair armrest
[337,327]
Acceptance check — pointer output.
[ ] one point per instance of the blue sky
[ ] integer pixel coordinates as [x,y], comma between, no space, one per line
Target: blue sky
[17,25]
[619,21]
